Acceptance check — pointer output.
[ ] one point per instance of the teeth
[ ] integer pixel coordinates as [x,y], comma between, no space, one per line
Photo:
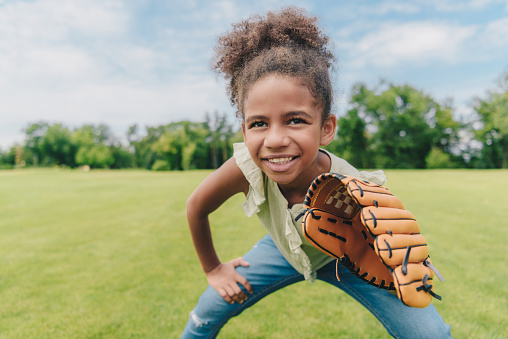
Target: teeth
[279,160]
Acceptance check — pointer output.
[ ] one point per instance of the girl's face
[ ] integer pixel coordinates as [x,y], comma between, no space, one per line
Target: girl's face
[283,129]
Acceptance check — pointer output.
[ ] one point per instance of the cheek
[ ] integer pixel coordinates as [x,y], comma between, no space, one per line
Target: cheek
[252,142]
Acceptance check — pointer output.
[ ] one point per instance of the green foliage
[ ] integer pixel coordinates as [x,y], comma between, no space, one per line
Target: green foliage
[438,159]
[57,146]
[351,143]
[108,254]
[161,165]
[403,125]
[493,116]
[91,144]
[96,156]
[388,126]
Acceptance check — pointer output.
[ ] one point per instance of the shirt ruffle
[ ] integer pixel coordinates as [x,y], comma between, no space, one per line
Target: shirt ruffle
[295,243]
[377,177]
[255,196]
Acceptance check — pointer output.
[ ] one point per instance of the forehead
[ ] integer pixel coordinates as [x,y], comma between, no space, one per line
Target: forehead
[278,92]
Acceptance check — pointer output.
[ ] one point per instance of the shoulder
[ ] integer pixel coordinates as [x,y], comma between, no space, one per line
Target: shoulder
[341,166]
[250,170]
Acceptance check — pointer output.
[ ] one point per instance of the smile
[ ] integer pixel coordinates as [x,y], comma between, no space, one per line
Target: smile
[280,161]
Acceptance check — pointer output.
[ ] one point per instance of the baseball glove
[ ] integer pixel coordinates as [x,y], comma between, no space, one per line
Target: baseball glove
[368,230]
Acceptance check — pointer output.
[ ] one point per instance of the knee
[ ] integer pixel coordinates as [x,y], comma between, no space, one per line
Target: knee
[196,321]
[199,327]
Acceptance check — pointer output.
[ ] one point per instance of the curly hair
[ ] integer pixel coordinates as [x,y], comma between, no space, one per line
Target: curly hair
[287,43]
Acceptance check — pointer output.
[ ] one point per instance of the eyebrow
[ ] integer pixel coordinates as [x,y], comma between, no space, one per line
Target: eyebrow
[285,115]
[254,118]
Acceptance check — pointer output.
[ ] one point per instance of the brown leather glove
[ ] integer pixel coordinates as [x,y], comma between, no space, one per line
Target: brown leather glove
[368,230]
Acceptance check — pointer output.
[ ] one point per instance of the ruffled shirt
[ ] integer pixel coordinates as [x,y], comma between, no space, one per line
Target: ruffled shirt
[265,200]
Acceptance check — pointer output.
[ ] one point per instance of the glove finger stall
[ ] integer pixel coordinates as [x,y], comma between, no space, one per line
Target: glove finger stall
[368,194]
[393,249]
[382,220]
[414,288]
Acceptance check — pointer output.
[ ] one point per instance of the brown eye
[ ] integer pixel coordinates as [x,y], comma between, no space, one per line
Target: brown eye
[257,124]
[295,121]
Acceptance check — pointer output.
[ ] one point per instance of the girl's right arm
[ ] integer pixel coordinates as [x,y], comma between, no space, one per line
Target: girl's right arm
[218,187]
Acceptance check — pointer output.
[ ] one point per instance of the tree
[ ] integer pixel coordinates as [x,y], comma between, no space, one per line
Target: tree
[35,133]
[403,125]
[493,119]
[92,149]
[57,146]
[8,158]
[220,134]
[181,146]
[351,142]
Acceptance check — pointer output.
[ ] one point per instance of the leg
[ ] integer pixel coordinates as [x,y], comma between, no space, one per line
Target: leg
[400,321]
[268,272]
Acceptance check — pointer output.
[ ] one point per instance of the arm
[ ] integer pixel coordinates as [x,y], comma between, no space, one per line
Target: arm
[218,187]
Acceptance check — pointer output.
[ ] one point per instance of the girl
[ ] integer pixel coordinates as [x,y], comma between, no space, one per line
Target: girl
[278,72]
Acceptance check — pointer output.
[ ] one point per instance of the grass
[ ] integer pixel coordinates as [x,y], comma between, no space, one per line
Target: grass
[107,254]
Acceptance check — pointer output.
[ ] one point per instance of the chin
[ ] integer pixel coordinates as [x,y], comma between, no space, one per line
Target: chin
[281,179]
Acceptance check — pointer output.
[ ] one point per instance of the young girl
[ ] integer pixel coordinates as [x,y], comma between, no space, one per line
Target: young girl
[278,72]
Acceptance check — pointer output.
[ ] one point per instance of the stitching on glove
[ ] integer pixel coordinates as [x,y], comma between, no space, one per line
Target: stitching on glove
[358,186]
[389,249]
[373,216]
[331,234]
[406,259]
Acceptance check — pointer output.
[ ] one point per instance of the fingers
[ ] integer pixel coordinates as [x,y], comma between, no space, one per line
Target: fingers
[227,281]
[245,283]
[232,294]
[240,262]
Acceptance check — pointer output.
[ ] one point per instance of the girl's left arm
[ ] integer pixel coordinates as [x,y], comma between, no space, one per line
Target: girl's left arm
[218,187]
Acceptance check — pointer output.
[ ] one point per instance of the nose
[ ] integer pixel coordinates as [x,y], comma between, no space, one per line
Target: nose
[276,137]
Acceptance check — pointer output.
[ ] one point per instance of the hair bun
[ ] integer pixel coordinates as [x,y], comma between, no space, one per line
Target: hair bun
[289,27]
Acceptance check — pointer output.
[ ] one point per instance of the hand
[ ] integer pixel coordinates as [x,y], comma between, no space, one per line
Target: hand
[224,279]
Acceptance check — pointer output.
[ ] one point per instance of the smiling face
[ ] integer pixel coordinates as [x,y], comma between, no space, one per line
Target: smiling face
[283,130]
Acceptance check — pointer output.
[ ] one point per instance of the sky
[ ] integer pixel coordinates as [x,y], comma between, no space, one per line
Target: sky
[122,63]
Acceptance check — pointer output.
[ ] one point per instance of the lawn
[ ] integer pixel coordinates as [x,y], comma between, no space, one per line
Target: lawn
[107,254]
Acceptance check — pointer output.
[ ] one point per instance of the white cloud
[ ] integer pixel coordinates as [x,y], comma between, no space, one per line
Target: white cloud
[116,104]
[414,42]
[386,7]
[44,43]
[496,33]
[460,5]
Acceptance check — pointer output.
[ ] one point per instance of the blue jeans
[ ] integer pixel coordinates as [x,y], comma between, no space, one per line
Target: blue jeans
[269,271]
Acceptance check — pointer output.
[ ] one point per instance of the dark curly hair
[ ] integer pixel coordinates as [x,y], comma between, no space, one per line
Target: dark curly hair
[287,42]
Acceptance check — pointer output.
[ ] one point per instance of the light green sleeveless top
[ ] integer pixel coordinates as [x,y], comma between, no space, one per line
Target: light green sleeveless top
[266,201]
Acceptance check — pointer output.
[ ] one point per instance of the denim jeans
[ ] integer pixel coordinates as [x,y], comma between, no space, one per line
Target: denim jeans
[269,271]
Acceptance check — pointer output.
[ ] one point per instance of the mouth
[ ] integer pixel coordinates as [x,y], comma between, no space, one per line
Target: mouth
[280,161]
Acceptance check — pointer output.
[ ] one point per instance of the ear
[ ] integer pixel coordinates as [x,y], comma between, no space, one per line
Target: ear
[328,130]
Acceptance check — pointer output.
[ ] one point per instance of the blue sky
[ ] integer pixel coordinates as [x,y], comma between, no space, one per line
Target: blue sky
[147,62]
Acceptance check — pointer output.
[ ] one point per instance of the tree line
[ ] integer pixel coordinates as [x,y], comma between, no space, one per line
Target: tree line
[386,126]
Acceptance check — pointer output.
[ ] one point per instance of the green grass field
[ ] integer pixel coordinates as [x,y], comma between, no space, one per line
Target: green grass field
[107,254]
